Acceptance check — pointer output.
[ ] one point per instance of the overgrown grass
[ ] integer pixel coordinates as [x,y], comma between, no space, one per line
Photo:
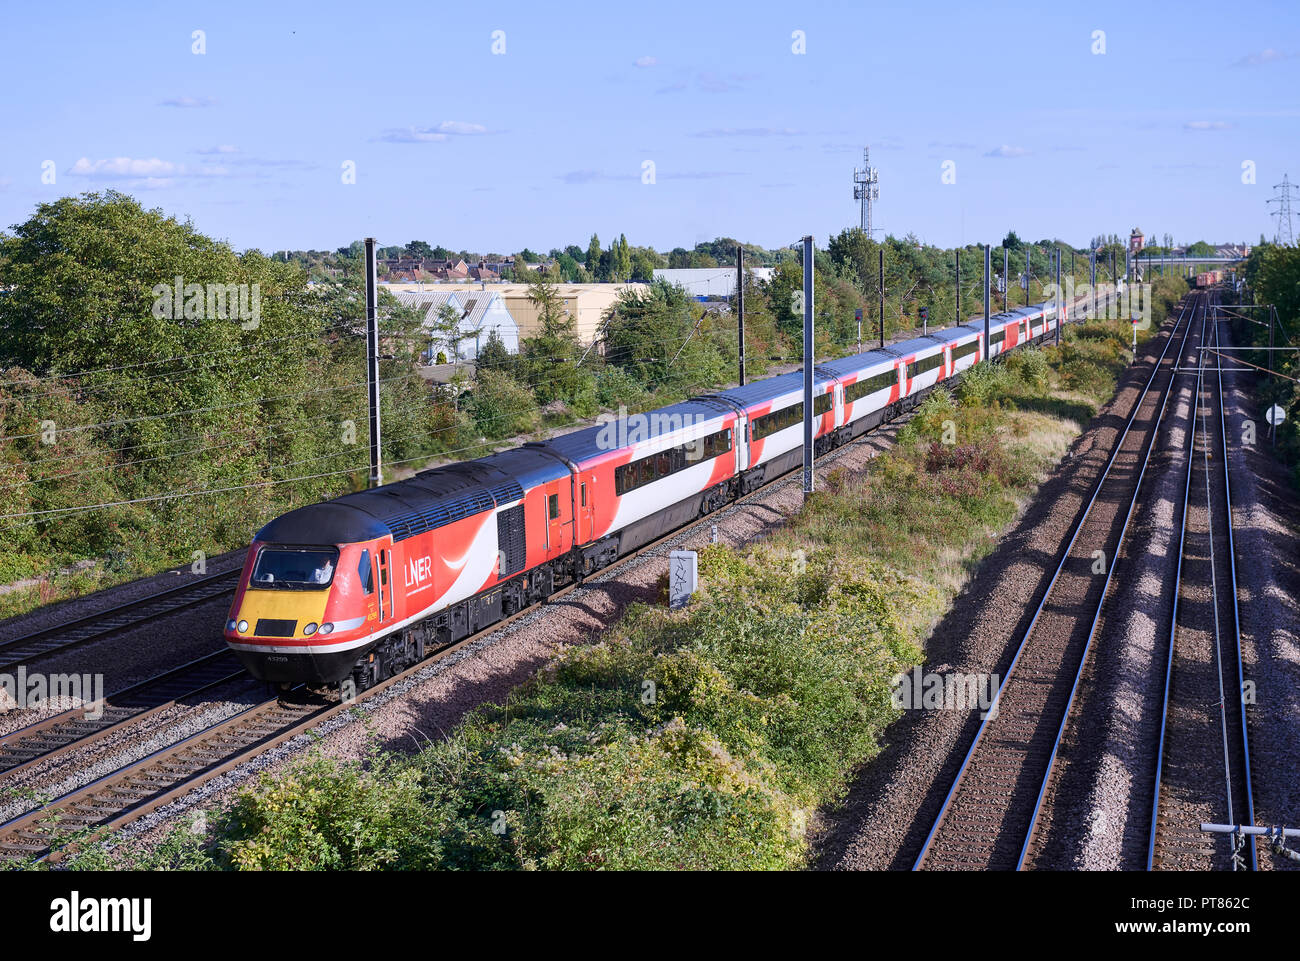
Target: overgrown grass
[701,738]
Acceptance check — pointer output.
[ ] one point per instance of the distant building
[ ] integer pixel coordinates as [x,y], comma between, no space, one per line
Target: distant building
[585,303]
[415,270]
[1136,241]
[1233,250]
[705,283]
[481,312]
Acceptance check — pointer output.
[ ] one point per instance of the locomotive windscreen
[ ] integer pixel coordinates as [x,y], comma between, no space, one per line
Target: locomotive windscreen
[295,568]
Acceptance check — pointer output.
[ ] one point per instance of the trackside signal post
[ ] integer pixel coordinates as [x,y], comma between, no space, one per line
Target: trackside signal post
[372,364]
[808,364]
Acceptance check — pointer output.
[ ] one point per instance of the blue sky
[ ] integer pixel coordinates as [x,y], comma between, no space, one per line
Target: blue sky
[545,143]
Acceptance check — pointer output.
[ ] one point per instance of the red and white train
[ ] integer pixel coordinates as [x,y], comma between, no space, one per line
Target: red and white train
[362,586]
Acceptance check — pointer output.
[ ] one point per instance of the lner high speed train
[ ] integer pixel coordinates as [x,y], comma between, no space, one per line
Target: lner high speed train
[360,587]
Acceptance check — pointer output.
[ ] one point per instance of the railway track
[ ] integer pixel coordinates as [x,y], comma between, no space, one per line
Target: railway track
[1202,771]
[92,627]
[26,747]
[989,814]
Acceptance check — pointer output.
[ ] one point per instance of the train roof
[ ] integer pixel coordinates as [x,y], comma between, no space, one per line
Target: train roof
[769,388]
[856,362]
[430,499]
[589,442]
[915,346]
[1004,317]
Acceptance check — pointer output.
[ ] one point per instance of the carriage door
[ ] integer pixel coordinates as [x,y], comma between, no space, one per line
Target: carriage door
[740,439]
[559,536]
[385,586]
[585,525]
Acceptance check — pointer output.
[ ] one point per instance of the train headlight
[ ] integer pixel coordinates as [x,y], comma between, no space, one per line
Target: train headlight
[242,627]
[326,628]
[230,624]
[310,629]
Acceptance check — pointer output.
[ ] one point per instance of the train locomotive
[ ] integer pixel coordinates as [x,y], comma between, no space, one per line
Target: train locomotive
[356,589]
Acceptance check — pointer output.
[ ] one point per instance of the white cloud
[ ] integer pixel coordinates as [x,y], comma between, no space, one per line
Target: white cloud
[435,134]
[1207,125]
[749,132]
[645,61]
[1264,56]
[188,103]
[1008,151]
[223,148]
[151,170]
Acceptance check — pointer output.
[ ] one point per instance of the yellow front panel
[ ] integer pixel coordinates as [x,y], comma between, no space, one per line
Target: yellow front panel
[305,607]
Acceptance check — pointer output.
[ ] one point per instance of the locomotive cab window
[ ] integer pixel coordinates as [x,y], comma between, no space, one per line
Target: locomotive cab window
[553,506]
[365,573]
[291,568]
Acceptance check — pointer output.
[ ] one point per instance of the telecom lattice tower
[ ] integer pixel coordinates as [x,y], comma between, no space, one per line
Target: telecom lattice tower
[866,190]
[1283,236]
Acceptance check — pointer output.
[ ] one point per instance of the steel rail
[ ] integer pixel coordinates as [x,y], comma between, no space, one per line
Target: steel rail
[1105,590]
[1236,612]
[81,630]
[78,731]
[991,713]
[1173,626]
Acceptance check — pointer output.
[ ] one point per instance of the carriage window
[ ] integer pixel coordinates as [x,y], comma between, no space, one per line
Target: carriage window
[924,365]
[778,420]
[554,505]
[665,463]
[295,569]
[584,495]
[861,388]
[364,572]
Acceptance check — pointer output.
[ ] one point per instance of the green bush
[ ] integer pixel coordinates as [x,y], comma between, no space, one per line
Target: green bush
[500,406]
[1031,369]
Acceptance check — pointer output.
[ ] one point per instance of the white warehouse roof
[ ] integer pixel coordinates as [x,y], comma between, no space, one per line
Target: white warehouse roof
[709,281]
